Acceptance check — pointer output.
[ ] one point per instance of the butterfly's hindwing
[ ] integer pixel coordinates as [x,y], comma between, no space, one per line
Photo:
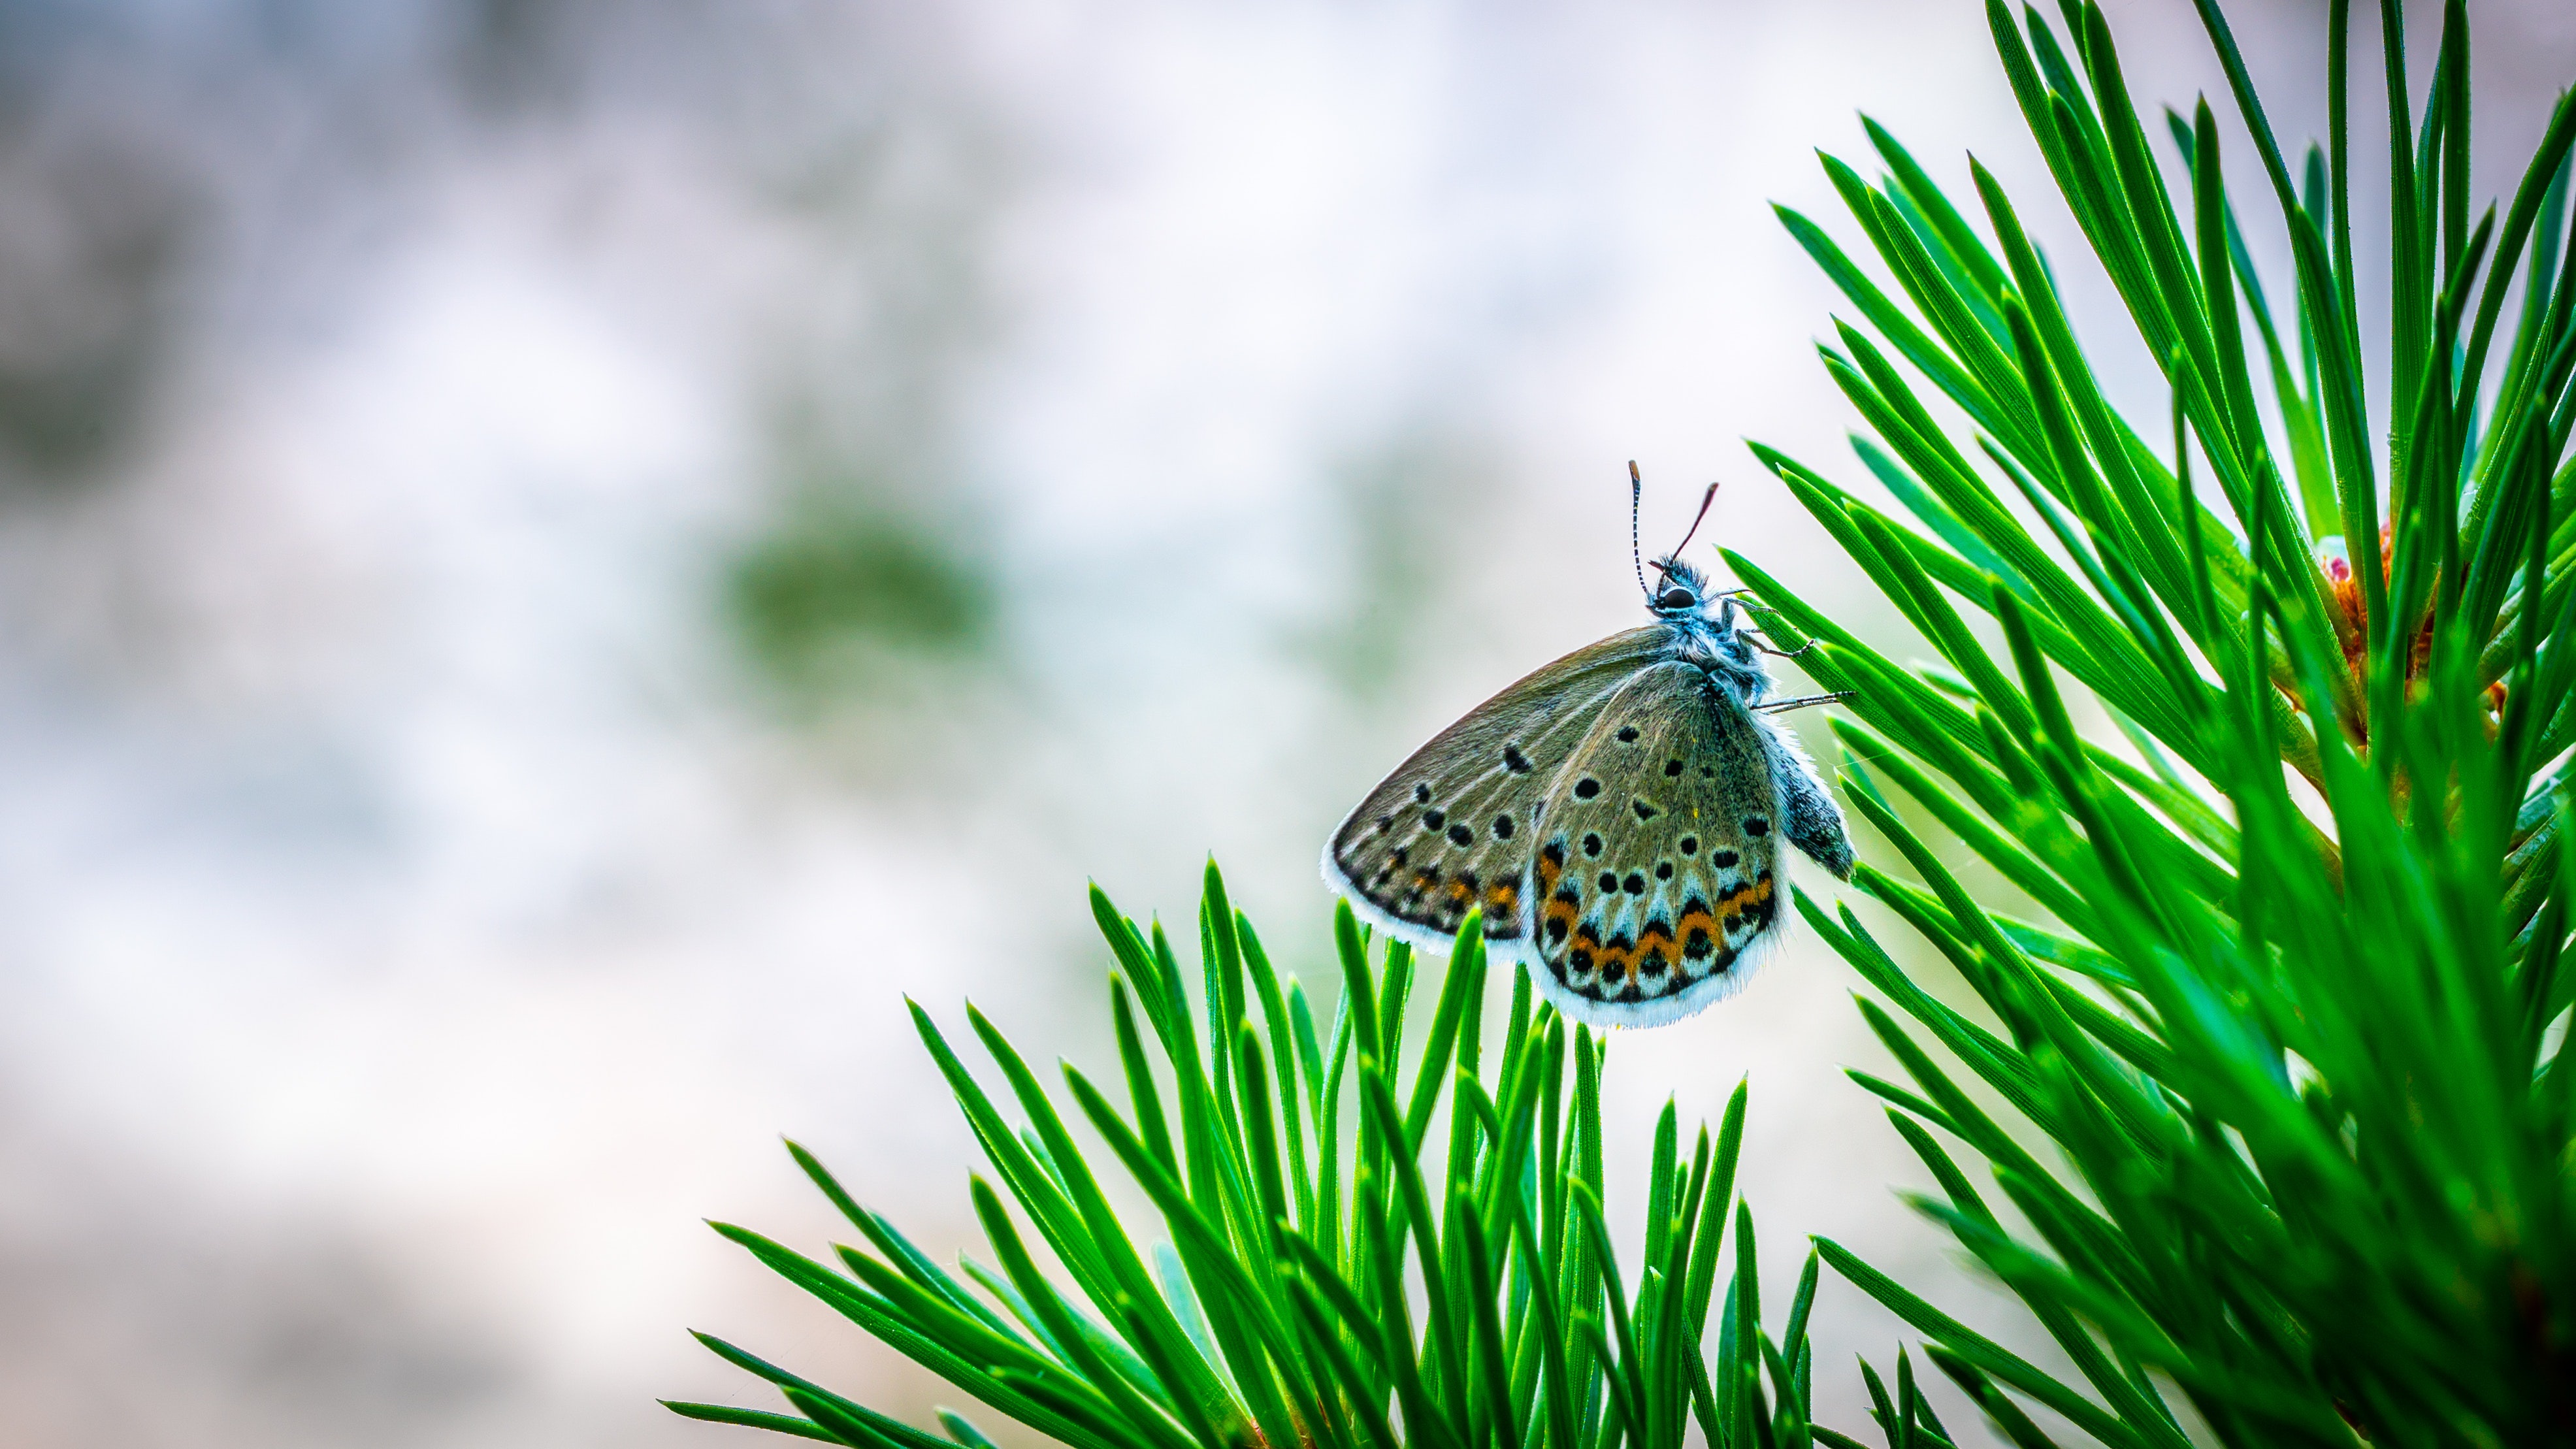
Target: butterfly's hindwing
[1654,877]
[1455,825]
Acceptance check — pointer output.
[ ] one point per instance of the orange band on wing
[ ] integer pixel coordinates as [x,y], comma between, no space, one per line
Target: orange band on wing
[1616,960]
[1561,908]
[1750,900]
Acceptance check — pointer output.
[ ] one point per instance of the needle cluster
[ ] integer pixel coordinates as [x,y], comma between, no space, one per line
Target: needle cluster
[1353,1250]
[2272,1083]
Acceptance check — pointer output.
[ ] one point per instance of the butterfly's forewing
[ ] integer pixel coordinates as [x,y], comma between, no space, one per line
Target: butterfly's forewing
[1654,880]
[1454,825]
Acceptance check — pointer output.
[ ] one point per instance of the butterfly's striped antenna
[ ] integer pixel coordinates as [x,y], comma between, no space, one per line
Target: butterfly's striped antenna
[1705,500]
[1636,555]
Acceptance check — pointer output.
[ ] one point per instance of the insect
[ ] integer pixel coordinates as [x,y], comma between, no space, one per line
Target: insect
[1617,816]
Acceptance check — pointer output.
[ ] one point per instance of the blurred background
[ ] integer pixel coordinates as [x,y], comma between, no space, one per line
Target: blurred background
[557,559]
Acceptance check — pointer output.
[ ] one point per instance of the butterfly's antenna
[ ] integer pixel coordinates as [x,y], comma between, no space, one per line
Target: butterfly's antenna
[1636,556]
[1705,500]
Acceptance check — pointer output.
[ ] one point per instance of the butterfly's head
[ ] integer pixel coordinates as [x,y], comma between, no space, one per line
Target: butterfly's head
[1678,591]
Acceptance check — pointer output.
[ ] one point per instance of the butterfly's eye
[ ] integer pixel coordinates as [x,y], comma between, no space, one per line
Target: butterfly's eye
[1676,598]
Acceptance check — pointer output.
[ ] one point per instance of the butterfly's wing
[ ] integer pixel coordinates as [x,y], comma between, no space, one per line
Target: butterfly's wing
[1655,882]
[1454,825]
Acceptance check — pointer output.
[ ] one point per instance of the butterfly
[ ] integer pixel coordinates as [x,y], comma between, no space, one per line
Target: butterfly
[1616,816]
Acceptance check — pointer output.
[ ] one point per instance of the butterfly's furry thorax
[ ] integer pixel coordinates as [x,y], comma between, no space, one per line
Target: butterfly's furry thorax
[1707,632]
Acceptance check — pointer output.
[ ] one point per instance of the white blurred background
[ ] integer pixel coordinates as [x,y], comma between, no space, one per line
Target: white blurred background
[558,558]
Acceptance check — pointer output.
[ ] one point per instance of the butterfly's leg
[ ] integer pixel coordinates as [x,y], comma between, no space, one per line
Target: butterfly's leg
[1804,701]
[1764,646]
[1744,596]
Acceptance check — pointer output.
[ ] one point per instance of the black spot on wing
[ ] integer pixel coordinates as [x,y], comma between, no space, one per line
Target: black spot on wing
[1514,760]
[1502,827]
[1586,788]
[1627,734]
[1644,810]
